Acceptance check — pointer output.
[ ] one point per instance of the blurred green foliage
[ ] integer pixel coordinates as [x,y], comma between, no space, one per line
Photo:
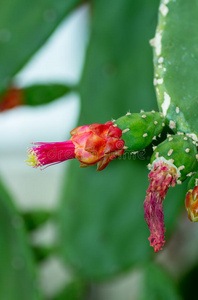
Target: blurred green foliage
[24,27]
[17,272]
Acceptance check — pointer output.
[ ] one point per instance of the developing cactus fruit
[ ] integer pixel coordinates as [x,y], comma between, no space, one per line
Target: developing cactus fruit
[140,129]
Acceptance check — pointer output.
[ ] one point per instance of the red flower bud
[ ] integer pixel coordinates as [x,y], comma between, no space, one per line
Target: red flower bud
[162,176]
[191,203]
[90,144]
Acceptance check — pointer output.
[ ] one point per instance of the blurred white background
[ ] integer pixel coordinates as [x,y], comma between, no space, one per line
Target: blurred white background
[60,60]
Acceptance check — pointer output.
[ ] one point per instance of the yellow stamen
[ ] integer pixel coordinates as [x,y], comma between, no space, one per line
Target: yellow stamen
[32,160]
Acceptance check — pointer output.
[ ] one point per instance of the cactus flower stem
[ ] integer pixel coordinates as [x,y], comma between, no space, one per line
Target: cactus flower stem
[163,175]
[90,144]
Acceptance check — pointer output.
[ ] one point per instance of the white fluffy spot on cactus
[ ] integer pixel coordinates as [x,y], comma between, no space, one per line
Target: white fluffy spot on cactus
[163,9]
[196,156]
[157,81]
[189,174]
[156,42]
[166,103]
[166,162]
[149,166]
[171,160]
[193,136]
[160,60]
[157,90]
[172,124]
[187,150]
[145,134]
[177,110]
[179,182]
[128,114]
[152,42]
[170,152]
[181,168]
[125,130]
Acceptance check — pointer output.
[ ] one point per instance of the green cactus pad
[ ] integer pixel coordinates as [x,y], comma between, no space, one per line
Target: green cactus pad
[139,129]
[176,64]
[179,150]
[193,181]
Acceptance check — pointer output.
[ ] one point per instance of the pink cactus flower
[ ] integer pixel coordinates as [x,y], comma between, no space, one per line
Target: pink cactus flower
[90,144]
[162,176]
[191,203]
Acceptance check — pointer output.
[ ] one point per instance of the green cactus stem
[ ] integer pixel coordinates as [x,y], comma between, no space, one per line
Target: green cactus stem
[179,150]
[140,129]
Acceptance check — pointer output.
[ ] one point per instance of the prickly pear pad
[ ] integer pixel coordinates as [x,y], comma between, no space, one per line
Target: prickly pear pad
[176,63]
[139,129]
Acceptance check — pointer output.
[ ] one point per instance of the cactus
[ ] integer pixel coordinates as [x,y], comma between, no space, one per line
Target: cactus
[173,160]
[140,129]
